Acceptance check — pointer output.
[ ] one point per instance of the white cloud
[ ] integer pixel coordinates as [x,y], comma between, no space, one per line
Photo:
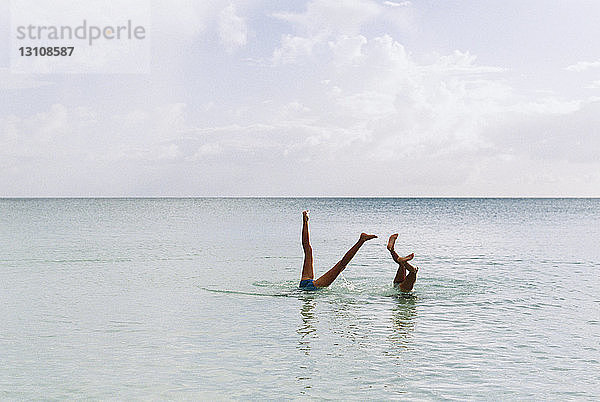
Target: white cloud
[338,106]
[583,66]
[294,48]
[548,106]
[181,19]
[595,84]
[555,136]
[396,4]
[383,98]
[459,61]
[21,81]
[346,48]
[232,29]
[342,16]
[61,133]
[206,150]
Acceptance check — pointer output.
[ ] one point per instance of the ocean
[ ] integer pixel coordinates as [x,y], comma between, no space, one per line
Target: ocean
[197,299]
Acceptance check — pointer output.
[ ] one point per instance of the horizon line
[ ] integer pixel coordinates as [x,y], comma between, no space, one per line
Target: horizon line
[291,197]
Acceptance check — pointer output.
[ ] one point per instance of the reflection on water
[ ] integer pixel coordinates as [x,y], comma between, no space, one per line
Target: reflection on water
[345,323]
[307,327]
[307,331]
[403,321]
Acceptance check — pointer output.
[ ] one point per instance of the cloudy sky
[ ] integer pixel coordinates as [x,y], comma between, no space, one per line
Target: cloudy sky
[321,98]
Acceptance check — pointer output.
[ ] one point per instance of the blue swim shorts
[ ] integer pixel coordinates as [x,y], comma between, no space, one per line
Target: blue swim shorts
[307,284]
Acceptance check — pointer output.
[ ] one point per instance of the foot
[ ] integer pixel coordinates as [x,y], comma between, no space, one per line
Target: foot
[410,268]
[305,215]
[365,237]
[407,258]
[392,241]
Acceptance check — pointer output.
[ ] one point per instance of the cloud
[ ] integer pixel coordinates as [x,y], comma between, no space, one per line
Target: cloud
[294,48]
[583,66]
[62,132]
[232,29]
[572,136]
[395,4]
[344,16]
[594,84]
[377,91]
[459,61]
[336,105]
[548,106]
[21,81]
[181,19]
[376,104]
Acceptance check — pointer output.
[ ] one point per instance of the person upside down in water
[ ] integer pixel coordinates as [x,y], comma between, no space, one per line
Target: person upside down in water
[307,281]
[402,281]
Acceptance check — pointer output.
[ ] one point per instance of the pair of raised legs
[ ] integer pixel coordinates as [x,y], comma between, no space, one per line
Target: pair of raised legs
[403,281]
[328,277]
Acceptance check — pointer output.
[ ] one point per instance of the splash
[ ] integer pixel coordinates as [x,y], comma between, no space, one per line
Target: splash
[347,285]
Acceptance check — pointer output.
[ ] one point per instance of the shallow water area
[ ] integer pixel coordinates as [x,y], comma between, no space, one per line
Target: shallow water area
[199,299]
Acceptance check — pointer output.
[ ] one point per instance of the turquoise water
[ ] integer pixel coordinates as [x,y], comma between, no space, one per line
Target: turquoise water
[197,298]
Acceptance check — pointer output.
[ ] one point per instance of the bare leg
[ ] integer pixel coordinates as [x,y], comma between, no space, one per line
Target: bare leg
[307,267]
[395,256]
[408,283]
[328,277]
[401,273]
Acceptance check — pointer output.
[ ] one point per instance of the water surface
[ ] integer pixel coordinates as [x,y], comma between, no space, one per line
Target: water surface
[197,298]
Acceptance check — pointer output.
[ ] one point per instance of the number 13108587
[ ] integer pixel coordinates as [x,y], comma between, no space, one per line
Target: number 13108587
[46,51]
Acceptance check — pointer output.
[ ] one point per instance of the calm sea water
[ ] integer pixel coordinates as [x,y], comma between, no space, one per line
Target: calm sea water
[197,298]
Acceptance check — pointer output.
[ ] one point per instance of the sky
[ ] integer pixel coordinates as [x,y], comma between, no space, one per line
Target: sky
[344,98]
